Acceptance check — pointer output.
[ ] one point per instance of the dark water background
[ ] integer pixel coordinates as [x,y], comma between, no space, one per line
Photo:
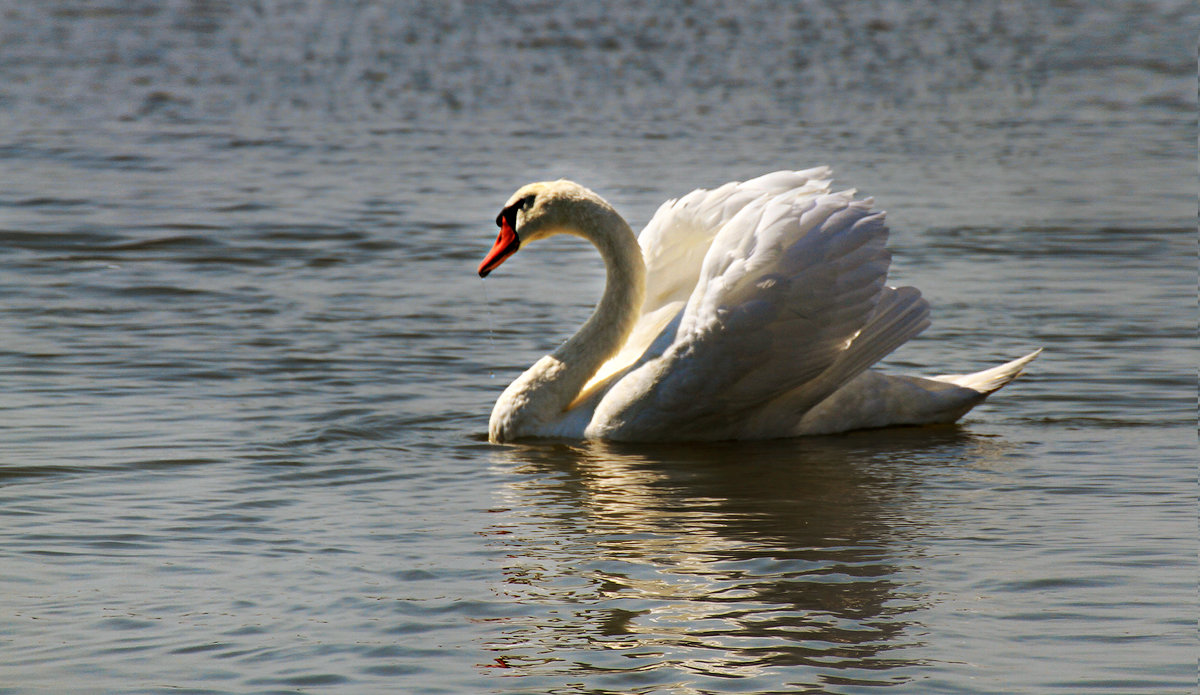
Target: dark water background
[246,365]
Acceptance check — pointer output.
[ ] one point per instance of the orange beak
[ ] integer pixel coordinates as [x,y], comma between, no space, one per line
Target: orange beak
[506,245]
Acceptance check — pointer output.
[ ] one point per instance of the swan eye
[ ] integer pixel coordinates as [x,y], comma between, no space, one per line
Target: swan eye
[510,212]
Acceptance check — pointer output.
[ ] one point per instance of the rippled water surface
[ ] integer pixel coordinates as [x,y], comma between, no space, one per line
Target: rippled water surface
[246,364]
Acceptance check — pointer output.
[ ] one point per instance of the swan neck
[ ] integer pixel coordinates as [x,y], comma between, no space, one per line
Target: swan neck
[537,402]
[610,324]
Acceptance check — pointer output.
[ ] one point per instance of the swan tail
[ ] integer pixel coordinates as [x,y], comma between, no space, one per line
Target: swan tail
[991,380]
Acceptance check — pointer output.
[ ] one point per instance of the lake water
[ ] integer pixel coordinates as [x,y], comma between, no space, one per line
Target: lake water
[246,364]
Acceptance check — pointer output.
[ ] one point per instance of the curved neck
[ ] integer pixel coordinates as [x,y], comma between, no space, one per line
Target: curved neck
[609,326]
[540,396]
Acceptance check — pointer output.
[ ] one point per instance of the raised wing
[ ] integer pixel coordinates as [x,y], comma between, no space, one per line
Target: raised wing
[676,240]
[786,285]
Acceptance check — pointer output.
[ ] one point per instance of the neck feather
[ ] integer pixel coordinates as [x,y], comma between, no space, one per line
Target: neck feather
[609,326]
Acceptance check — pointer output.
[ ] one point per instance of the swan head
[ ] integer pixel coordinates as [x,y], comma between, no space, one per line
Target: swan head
[539,210]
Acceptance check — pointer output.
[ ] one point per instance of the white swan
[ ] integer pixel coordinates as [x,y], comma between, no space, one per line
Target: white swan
[750,311]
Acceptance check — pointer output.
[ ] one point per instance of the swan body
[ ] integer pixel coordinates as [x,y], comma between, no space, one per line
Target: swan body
[751,311]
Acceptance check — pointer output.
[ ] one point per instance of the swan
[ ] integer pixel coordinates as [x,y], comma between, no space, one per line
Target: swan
[750,311]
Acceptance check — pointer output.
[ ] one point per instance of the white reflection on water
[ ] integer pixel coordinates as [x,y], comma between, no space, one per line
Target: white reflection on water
[719,561]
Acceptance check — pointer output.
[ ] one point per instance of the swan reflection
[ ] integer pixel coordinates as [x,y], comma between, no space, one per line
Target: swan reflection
[777,561]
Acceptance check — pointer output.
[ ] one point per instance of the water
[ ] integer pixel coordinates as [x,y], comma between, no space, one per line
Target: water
[247,366]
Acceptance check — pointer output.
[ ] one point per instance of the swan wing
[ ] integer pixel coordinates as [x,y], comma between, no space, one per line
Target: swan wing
[786,286]
[677,239]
